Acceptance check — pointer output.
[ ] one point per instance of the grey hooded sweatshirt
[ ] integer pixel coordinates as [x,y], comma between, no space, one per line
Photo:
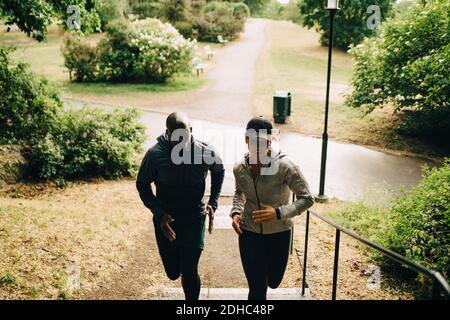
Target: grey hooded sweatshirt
[272,189]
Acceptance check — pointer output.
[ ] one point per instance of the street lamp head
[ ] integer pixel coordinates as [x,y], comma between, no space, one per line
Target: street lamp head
[333,5]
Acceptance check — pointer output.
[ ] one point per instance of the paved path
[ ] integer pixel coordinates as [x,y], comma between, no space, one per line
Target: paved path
[353,171]
[229,92]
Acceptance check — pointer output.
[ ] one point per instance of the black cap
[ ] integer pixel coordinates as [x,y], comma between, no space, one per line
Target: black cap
[260,123]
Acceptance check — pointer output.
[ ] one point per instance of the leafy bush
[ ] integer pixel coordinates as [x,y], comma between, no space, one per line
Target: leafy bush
[116,55]
[47,159]
[241,11]
[146,9]
[224,18]
[110,11]
[144,51]
[64,144]
[29,105]
[415,225]
[408,67]
[160,51]
[186,29]
[200,19]
[350,22]
[175,10]
[89,142]
[80,58]
[419,225]
[206,22]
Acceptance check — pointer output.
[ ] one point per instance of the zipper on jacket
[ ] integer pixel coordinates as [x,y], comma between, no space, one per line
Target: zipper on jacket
[255,182]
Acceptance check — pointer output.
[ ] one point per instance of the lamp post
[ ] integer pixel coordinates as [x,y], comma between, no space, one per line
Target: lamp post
[332,7]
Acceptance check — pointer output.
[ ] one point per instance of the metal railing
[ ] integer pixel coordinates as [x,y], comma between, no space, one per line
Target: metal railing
[440,285]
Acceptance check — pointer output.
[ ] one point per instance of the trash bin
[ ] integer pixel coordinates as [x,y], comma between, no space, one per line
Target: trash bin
[281,106]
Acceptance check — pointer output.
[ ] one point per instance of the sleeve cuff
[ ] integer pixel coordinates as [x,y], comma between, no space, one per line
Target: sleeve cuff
[278,211]
[233,213]
[214,206]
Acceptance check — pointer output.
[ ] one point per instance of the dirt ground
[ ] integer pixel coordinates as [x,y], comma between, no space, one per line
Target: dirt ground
[101,230]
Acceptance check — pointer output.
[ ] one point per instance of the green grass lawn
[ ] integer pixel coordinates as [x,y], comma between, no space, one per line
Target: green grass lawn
[47,60]
[180,83]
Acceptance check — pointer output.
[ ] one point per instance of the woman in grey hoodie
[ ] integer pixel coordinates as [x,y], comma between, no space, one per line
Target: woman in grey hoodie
[262,211]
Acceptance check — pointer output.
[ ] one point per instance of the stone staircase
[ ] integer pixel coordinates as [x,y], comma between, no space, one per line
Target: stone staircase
[234,294]
[222,274]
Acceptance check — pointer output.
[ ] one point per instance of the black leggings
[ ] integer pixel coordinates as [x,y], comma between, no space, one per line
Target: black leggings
[179,260]
[264,258]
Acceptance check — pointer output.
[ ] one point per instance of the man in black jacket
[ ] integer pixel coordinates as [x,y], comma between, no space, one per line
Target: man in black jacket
[178,166]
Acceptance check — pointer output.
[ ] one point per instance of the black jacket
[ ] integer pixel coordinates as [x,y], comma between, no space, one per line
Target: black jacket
[179,187]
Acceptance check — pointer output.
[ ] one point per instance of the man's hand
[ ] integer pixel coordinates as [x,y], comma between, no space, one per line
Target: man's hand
[210,211]
[236,219]
[166,228]
[266,214]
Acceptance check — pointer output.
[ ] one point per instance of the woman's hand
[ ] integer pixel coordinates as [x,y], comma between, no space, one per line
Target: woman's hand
[236,219]
[266,214]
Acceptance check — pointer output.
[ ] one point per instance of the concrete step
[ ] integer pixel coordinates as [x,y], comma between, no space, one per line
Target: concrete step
[166,293]
[222,218]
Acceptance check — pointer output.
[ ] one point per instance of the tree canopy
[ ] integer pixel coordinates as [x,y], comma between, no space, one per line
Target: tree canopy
[350,21]
[34,16]
[407,65]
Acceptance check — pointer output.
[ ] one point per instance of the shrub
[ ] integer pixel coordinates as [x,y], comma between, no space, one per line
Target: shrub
[110,11]
[415,224]
[186,29]
[146,9]
[420,221]
[80,58]
[241,11]
[64,144]
[47,159]
[116,55]
[89,142]
[29,105]
[432,125]
[223,20]
[195,20]
[144,51]
[162,51]
[175,10]
[408,67]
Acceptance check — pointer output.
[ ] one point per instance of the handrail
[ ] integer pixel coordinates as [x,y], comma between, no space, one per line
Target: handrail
[439,282]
